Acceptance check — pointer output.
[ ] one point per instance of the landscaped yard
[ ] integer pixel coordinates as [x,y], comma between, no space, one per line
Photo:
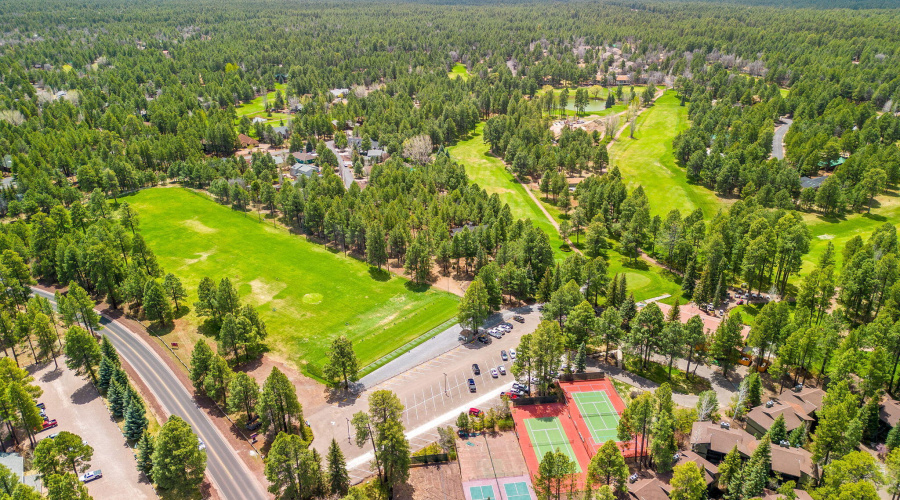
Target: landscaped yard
[306,293]
[257,107]
[490,173]
[680,381]
[647,160]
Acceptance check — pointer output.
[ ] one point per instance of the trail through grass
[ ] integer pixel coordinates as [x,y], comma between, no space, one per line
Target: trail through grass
[490,173]
[648,160]
[306,293]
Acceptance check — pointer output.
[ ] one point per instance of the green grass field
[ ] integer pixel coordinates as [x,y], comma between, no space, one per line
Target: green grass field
[647,160]
[490,173]
[306,293]
[256,107]
[839,230]
[459,71]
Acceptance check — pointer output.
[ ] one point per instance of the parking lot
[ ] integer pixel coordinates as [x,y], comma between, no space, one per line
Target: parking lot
[78,408]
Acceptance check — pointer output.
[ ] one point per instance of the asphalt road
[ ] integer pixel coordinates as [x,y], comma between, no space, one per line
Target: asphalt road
[778,138]
[345,169]
[229,474]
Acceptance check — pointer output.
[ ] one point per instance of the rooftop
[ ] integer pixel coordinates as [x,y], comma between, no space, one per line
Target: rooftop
[889,412]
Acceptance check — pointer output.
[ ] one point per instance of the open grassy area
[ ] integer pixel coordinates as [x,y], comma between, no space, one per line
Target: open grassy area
[647,160]
[490,173]
[459,71]
[306,293]
[839,230]
[257,107]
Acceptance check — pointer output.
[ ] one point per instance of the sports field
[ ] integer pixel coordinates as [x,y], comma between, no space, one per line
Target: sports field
[647,160]
[490,174]
[599,415]
[306,293]
[547,435]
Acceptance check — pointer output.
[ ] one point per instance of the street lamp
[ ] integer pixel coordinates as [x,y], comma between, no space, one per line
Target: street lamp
[446,388]
[348,430]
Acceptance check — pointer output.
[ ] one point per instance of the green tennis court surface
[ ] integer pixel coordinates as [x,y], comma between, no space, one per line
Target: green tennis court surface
[517,491]
[547,434]
[599,414]
[482,492]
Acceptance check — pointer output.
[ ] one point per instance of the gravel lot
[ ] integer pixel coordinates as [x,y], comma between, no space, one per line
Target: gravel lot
[76,404]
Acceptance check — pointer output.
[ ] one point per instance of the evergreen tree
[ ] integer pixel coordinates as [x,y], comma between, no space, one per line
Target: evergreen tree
[581,359]
[243,394]
[688,483]
[135,419]
[778,431]
[754,391]
[342,364]
[201,359]
[82,352]
[175,290]
[145,455]
[608,467]
[729,469]
[178,462]
[338,478]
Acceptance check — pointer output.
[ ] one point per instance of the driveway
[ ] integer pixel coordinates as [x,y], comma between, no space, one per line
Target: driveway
[778,138]
[345,169]
[75,403]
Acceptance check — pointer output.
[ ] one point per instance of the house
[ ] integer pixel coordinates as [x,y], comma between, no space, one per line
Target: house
[649,489]
[305,158]
[623,79]
[798,495]
[356,143]
[798,407]
[889,414]
[247,141]
[283,131]
[811,182]
[308,170]
[16,464]
[710,321]
[258,119]
[710,471]
[832,164]
[279,160]
[7,163]
[713,442]
[339,92]
[376,155]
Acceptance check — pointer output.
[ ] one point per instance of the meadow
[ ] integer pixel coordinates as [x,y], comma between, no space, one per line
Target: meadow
[257,108]
[307,293]
[490,174]
[647,160]
[459,71]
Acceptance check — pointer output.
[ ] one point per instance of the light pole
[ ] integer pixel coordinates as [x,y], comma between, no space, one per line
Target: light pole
[348,430]
[446,388]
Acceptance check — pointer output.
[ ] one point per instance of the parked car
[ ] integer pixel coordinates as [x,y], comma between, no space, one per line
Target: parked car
[53,436]
[253,424]
[90,476]
[41,406]
[504,356]
[472,385]
[493,332]
[49,424]
[484,340]
[475,412]
[202,445]
[512,354]
[501,369]
[494,373]
[518,318]
[510,395]
[475,369]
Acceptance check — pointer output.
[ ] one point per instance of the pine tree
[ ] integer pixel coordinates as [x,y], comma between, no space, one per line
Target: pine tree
[663,445]
[778,431]
[145,455]
[893,438]
[107,368]
[175,290]
[581,359]
[797,437]
[108,351]
[115,394]
[135,419]
[729,468]
[754,392]
[338,478]
[156,304]
[201,359]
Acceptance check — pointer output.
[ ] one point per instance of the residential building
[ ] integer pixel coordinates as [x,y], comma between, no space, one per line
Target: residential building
[797,407]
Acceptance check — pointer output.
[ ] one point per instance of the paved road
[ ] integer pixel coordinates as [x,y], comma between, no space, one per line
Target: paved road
[345,169]
[229,474]
[778,138]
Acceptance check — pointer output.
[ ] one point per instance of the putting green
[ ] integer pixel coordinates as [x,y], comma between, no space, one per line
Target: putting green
[306,293]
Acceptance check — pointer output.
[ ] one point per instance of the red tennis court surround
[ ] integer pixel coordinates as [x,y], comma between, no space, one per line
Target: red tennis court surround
[604,385]
[522,413]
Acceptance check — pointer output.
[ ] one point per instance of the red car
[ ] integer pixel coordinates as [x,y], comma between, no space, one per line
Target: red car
[509,395]
[475,412]
[49,424]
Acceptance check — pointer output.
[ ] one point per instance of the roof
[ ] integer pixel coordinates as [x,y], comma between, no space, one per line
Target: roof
[709,470]
[710,322]
[798,494]
[284,130]
[722,440]
[258,119]
[889,412]
[375,153]
[339,92]
[809,398]
[16,464]
[622,78]
[246,140]
[649,489]
[811,182]
[794,415]
[305,156]
[795,462]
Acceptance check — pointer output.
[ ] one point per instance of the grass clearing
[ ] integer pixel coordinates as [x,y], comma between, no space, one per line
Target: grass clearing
[647,160]
[459,71]
[306,293]
[257,108]
[680,381]
[490,174]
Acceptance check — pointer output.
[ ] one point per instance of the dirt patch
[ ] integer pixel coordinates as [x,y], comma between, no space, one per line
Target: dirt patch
[432,482]
[198,227]
[262,292]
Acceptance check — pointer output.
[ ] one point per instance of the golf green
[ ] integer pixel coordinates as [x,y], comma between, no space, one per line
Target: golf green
[306,293]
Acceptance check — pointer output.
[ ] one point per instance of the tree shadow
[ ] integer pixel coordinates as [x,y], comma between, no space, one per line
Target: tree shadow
[51,375]
[875,217]
[340,396]
[378,274]
[183,310]
[638,264]
[158,329]
[85,394]
[412,286]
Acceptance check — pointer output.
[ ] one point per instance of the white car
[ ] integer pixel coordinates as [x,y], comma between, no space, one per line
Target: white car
[494,373]
[512,354]
[501,369]
[202,445]
[90,476]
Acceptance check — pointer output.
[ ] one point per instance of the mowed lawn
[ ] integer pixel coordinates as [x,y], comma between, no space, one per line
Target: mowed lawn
[307,294]
[840,230]
[490,174]
[257,108]
[647,160]
[459,71]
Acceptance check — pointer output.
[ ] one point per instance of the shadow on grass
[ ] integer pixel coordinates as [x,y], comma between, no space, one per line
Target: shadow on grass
[875,217]
[412,286]
[639,264]
[379,274]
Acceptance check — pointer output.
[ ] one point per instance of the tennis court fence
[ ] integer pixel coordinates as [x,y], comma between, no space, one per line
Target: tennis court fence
[572,377]
[538,400]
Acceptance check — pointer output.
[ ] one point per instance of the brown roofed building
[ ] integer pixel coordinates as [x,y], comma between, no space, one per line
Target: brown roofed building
[649,489]
[799,408]
[247,141]
[889,412]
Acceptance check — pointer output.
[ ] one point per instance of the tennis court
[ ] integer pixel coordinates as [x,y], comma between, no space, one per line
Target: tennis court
[517,491]
[547,434]
[599,415]
[482,492]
